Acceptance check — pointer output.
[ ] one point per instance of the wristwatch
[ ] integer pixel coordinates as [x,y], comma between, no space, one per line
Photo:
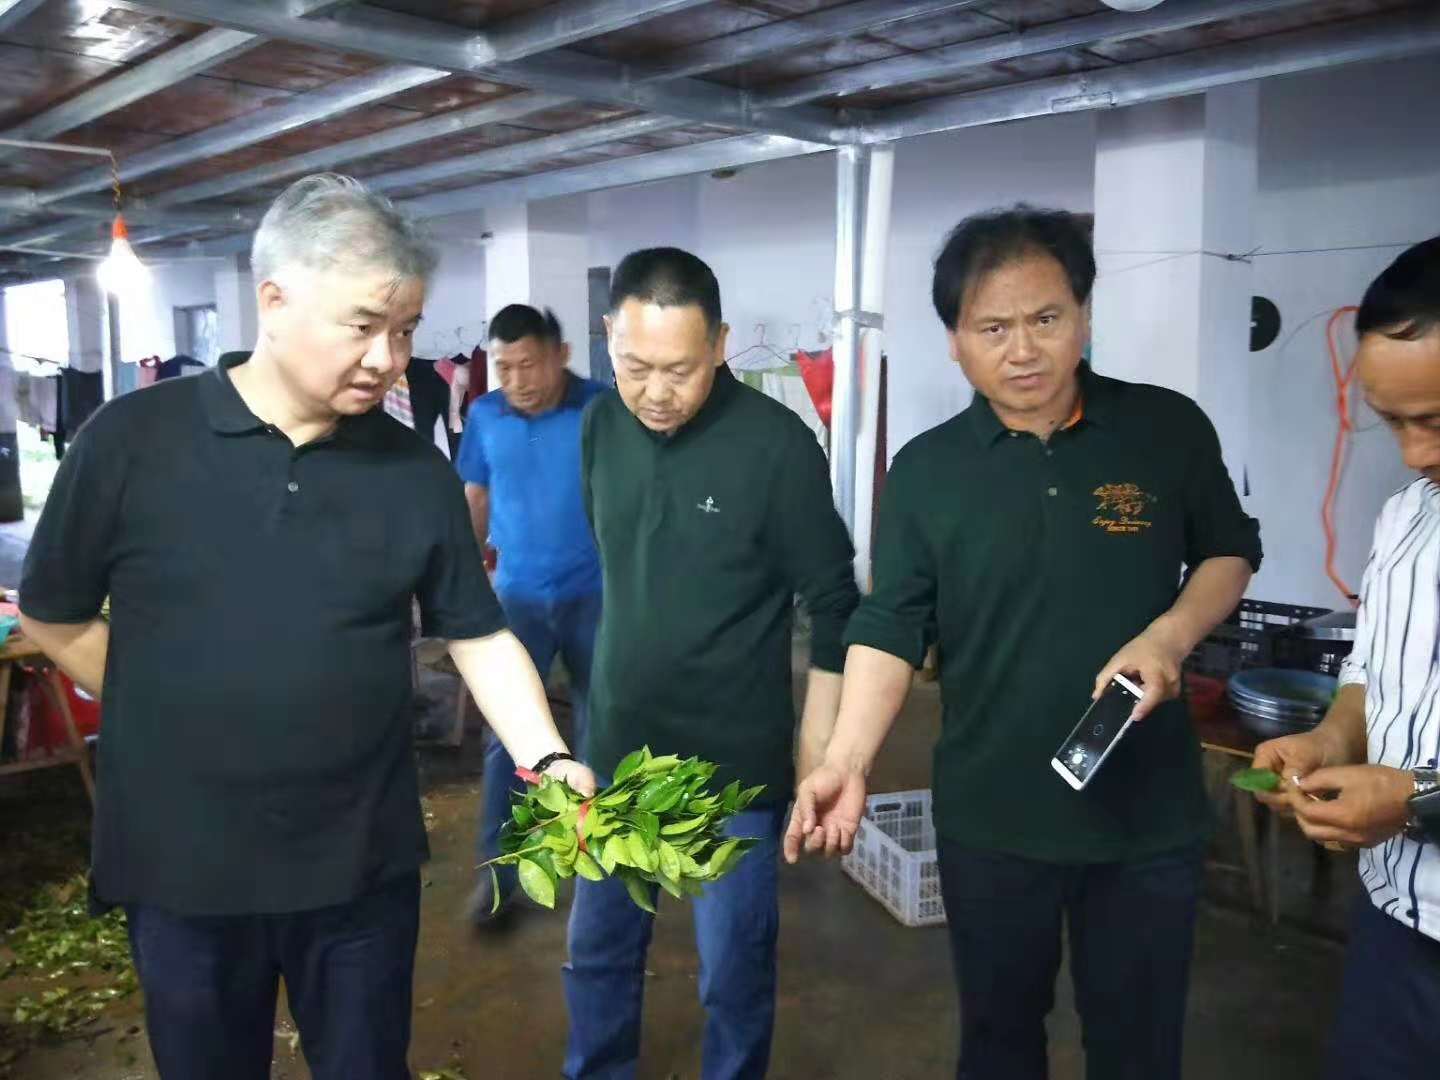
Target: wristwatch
[1424,823]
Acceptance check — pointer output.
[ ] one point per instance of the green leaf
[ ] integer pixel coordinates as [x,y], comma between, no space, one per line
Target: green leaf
[650,794]
[614,799]
[630,762]
[552,796]
[669,799]
[565,869]
[607,857]
[640,854]
[669,861]
[661,764]
[639,893]
[523,816]
[588,868]
[617,849]
[537,883]
[670,885]
[1256,780]
[494,891]
[748,796]
[730,796]
[678,828]
[720,861]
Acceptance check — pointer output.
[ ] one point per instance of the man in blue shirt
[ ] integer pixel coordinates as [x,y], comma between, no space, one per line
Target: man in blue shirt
[520,460]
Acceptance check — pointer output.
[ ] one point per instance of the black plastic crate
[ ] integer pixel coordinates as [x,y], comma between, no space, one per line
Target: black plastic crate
[1255,635]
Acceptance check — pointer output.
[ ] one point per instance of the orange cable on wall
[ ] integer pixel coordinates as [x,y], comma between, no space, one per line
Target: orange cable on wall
[1342,442]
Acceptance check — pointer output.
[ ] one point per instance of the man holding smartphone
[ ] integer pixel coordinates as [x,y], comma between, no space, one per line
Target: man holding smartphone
[1052,551]
[1367,775]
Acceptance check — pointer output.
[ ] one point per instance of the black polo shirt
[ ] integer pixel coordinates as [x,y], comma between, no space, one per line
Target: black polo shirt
[1032,564]
[256,753]
[705,539]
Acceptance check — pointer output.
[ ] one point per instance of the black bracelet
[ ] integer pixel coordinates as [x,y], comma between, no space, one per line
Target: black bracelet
[550,759]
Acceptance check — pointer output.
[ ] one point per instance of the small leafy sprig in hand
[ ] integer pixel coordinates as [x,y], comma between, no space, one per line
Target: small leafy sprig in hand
[655,825]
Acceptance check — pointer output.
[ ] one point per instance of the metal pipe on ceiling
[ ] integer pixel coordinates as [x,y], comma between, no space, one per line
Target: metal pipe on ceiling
[515,107]
[1354,41]
[1389,37]
[333,100]
[375,32]
[950,60]
[517,155]
[569,21]
[210,49]
[13,12]
[794,33]
[782,35]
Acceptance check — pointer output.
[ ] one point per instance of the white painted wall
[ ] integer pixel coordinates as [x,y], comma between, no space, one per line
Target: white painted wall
[1344,161]
[940,179]
[455,304]
[147,319]
[769,234]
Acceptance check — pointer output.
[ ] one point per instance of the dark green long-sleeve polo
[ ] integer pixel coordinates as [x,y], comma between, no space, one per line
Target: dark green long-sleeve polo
[705,538]
[1031,565]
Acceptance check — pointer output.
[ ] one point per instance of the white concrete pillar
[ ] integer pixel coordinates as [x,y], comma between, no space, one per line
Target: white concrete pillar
[8,417]
[1175,190]
[559,262]
[87,321]
[538,254]
[235,305]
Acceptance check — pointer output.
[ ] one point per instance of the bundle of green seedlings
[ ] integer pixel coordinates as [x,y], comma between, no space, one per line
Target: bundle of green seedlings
[657,824]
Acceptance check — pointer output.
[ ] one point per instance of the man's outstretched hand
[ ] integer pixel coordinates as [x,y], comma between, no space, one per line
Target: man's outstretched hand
[829,804]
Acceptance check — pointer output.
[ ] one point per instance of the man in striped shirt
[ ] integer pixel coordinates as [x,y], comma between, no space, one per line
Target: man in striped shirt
[1360,777]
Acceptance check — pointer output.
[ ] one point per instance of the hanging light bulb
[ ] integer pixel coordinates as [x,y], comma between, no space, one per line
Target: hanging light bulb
[122,271]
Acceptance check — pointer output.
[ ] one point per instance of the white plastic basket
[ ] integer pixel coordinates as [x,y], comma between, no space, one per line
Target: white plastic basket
[894,857]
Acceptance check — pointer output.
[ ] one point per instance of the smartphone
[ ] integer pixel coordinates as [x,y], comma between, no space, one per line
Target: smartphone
[1086,748]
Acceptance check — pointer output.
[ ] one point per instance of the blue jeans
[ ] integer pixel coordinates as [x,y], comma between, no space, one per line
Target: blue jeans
[210,985]
[1131,929]
[736,925]
[546,628]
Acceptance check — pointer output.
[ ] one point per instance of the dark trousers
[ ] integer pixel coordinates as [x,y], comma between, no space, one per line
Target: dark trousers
[547,628]
[1389,1022]
[211,983]
[1131,931]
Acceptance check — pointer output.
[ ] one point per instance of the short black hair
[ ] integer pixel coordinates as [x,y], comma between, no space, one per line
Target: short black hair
[668,277]
[1404,301]
[516,321]
[985,242]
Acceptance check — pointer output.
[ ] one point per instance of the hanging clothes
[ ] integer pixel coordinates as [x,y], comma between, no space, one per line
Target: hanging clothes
[79,394]
[429,396]
[178,365]
[397,402]
[149,371]
[45,402]
[818,371]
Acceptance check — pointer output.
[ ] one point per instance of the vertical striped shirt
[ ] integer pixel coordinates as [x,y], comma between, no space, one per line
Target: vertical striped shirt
[1397,659]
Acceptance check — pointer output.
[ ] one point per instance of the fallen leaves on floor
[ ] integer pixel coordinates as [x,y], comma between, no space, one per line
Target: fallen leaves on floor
[56,942]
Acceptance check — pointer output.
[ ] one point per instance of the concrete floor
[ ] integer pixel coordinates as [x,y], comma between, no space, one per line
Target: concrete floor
[861,997]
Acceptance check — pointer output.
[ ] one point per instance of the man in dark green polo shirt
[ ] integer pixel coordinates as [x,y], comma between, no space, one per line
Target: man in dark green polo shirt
[1039,538]
[711,508]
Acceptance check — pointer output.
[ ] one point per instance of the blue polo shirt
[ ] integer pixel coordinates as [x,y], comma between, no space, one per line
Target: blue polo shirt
[531,464]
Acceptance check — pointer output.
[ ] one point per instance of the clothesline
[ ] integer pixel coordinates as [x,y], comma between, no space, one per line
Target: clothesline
[37,359]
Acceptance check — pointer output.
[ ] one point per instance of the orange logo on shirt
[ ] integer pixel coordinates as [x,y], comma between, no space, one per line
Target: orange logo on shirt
[1121,509]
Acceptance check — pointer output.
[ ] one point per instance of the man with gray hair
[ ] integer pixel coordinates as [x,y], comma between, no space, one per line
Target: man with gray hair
[261,531]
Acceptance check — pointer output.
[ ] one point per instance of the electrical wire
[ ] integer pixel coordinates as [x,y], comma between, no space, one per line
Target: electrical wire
[1344,428]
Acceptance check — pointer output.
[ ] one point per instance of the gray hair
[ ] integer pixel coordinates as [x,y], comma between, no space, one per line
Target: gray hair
[326,221]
